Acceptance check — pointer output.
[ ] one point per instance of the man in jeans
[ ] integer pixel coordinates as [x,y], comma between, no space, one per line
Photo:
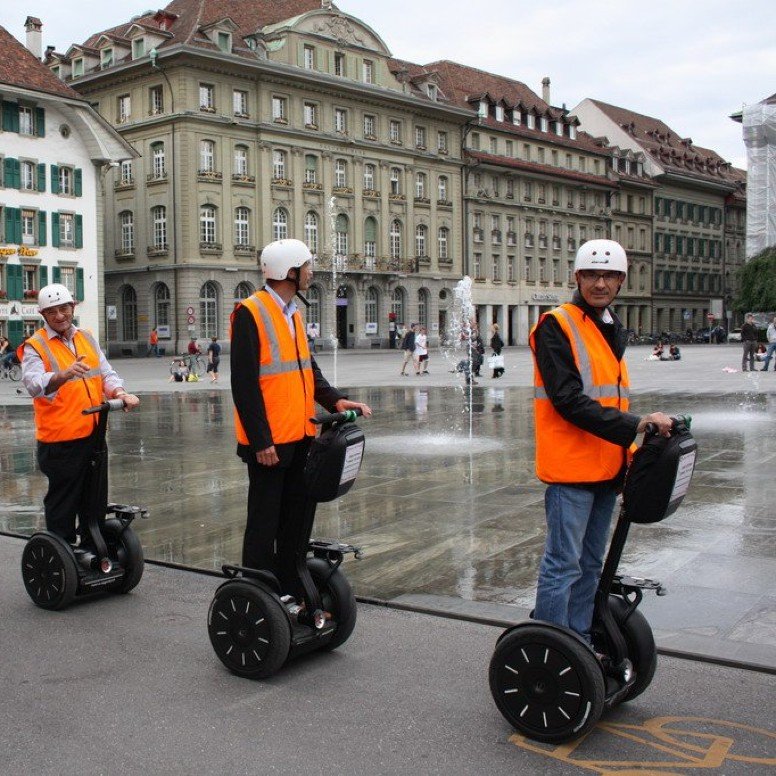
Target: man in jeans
[749,342]
[771,334]
[583,432]
[408,346]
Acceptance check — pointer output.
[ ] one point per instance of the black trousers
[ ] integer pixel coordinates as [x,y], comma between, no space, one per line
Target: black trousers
[280,516]
[70,483]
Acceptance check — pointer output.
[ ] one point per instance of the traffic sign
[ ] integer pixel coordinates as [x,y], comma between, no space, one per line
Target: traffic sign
[190,311]
[191,319]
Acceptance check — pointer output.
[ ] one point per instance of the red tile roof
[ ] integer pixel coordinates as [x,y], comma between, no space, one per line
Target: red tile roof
[20,67]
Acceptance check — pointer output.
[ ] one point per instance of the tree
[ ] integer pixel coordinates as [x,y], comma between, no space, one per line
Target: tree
[757,283]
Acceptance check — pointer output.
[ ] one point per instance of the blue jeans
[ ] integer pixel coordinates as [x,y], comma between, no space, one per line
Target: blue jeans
[768,354]
[578,522]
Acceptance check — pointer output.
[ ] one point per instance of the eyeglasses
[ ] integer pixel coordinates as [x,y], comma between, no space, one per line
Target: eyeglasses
[591,276]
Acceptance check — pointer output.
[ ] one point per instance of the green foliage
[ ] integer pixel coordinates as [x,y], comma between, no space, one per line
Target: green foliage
[757,283]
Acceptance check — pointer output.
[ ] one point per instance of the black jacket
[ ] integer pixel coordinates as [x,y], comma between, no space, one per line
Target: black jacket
[749,333]
[246,394]
[563,383]
[408,343]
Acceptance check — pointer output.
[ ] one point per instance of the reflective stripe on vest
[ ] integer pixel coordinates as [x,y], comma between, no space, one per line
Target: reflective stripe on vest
[285,373]
[59,419]
[564,452]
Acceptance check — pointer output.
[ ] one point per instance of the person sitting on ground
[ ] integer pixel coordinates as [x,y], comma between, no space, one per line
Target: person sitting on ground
[657,351]
[179,371]
[674,353]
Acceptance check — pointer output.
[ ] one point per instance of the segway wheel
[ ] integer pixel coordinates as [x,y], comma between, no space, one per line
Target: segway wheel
[337,597]
[548,685]
[642,651]
[124,546]
[49,571]
[249,629]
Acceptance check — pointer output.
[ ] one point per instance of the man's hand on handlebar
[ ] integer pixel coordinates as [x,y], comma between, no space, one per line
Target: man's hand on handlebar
[129,399]
[662,422]
[267,457]
[345,404]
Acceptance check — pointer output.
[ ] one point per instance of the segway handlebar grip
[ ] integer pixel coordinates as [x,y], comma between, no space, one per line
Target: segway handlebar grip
[680,421]
[106,406]
[348,416]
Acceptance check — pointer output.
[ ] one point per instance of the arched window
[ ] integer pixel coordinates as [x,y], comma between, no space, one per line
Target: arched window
[159,169]
[395,180]
[423,307]
[207,224]
[280,224]
[311,231]
[162,305]
[443,240]
[208,310]
[127,221]
[394,239]
[341,229]
[340,173]
[442,188]
[420,185]
[128,314]
[241,161]
[242,234]
[243,291]
[397,304]
[421,240]
[207,156]
[370,238]
[278,165]
[369,177]
[314,310]
[371,305]
[159,223]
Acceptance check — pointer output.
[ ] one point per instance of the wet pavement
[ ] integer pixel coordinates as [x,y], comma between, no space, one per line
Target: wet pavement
[447,508]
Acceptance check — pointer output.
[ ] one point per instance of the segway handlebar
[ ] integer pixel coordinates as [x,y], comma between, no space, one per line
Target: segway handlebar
[679,422]
[348,416]
[106,406]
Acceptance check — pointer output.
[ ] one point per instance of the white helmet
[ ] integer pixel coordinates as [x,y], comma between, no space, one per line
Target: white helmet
[53,295]
[603,255]
[280,256]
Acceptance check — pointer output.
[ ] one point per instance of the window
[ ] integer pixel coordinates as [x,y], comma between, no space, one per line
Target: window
[314,310]
[278,165]
[309,58]
[442,142]
[155,100]
[242,226]
[499,112]
[368,71]
[370,124]
[370,305]
[26,121]
[224,42]
[370,238]
[442,188]
[420,137]
[340,120]
[311,231]
[421,240]
[341,227]
[280,224]
[423,307]
[240,103]
[157,158]
[66,229]
[243,291]
[528,269]
[395,181]
[28,218]
[208,310]
[159,223]
[476,141]
[310,169]
[311,115]
[162,305]
[241,161]
[496,267]
[369,177]
[207,156]
[138,48]
[126,173]
[207,98]
[123,108]
[128,313]
[127,226]
[530,121]
[394,239]
[494,145]
[106,58]
[280,110]
[339,64]
[397,304]
[443,241]
[78,67]
[207,224]
[544,124]
[477,266]
[28,175]
[528,191]
[340,173]
[420,185]
[394,131]
[511,269]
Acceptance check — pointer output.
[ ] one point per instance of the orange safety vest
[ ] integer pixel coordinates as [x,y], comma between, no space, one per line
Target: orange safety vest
[285,373]
[564,452]
[59,418]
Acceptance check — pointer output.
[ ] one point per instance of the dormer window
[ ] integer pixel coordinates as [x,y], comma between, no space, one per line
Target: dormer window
[499,112]
[339,64]
[516,117]
[559,128]
[572,132]
[138,48]
[309,58]
[544,124]
[431,91]
[224,42]
[483,109]
[57,71]
[369,72]
[106,59]
[530,121]
[78,67]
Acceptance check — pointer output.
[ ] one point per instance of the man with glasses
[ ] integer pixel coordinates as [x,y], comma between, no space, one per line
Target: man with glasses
[584,432]
[65,372]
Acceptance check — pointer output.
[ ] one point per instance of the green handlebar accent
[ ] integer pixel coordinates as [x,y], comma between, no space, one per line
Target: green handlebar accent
[351,415]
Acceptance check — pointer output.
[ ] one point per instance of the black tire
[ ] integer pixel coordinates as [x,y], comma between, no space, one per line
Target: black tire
[124,546]
[641,646]
[249,629]
[547,683]
[337,597]
[15,372]
[198,367]
[49,571]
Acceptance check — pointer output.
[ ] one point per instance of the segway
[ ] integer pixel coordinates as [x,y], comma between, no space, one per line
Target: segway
[253,625]
[109,557]
[551,684]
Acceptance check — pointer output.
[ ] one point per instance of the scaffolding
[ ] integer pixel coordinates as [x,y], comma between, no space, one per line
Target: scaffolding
[760,139]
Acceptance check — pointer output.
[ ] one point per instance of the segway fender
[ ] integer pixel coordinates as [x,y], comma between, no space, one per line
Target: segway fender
[259,577]
[544,624]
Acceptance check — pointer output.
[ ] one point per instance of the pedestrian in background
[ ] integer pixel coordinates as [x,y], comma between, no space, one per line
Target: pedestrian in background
[421,351]
[213,359]
[153,343]
[749,342]
[496,344]
[771,335]
[408,346]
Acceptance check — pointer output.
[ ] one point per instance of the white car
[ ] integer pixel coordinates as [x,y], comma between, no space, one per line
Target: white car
[735,335]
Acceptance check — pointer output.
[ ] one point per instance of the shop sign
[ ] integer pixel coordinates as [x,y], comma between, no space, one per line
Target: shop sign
[545,298]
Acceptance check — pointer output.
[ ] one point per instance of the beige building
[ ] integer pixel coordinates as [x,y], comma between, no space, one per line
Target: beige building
[279,120]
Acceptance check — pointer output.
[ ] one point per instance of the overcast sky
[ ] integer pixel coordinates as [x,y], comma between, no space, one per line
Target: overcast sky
[688,62]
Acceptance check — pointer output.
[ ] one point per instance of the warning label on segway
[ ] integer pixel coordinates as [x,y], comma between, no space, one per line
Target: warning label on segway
[683,476]
[352,464]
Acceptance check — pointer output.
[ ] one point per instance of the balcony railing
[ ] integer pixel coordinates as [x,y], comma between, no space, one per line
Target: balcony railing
[246,179]
[210,247]
[210,175]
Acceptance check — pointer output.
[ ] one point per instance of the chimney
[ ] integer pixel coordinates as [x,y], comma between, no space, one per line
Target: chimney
[326,4]
[546,89]
[34,29]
